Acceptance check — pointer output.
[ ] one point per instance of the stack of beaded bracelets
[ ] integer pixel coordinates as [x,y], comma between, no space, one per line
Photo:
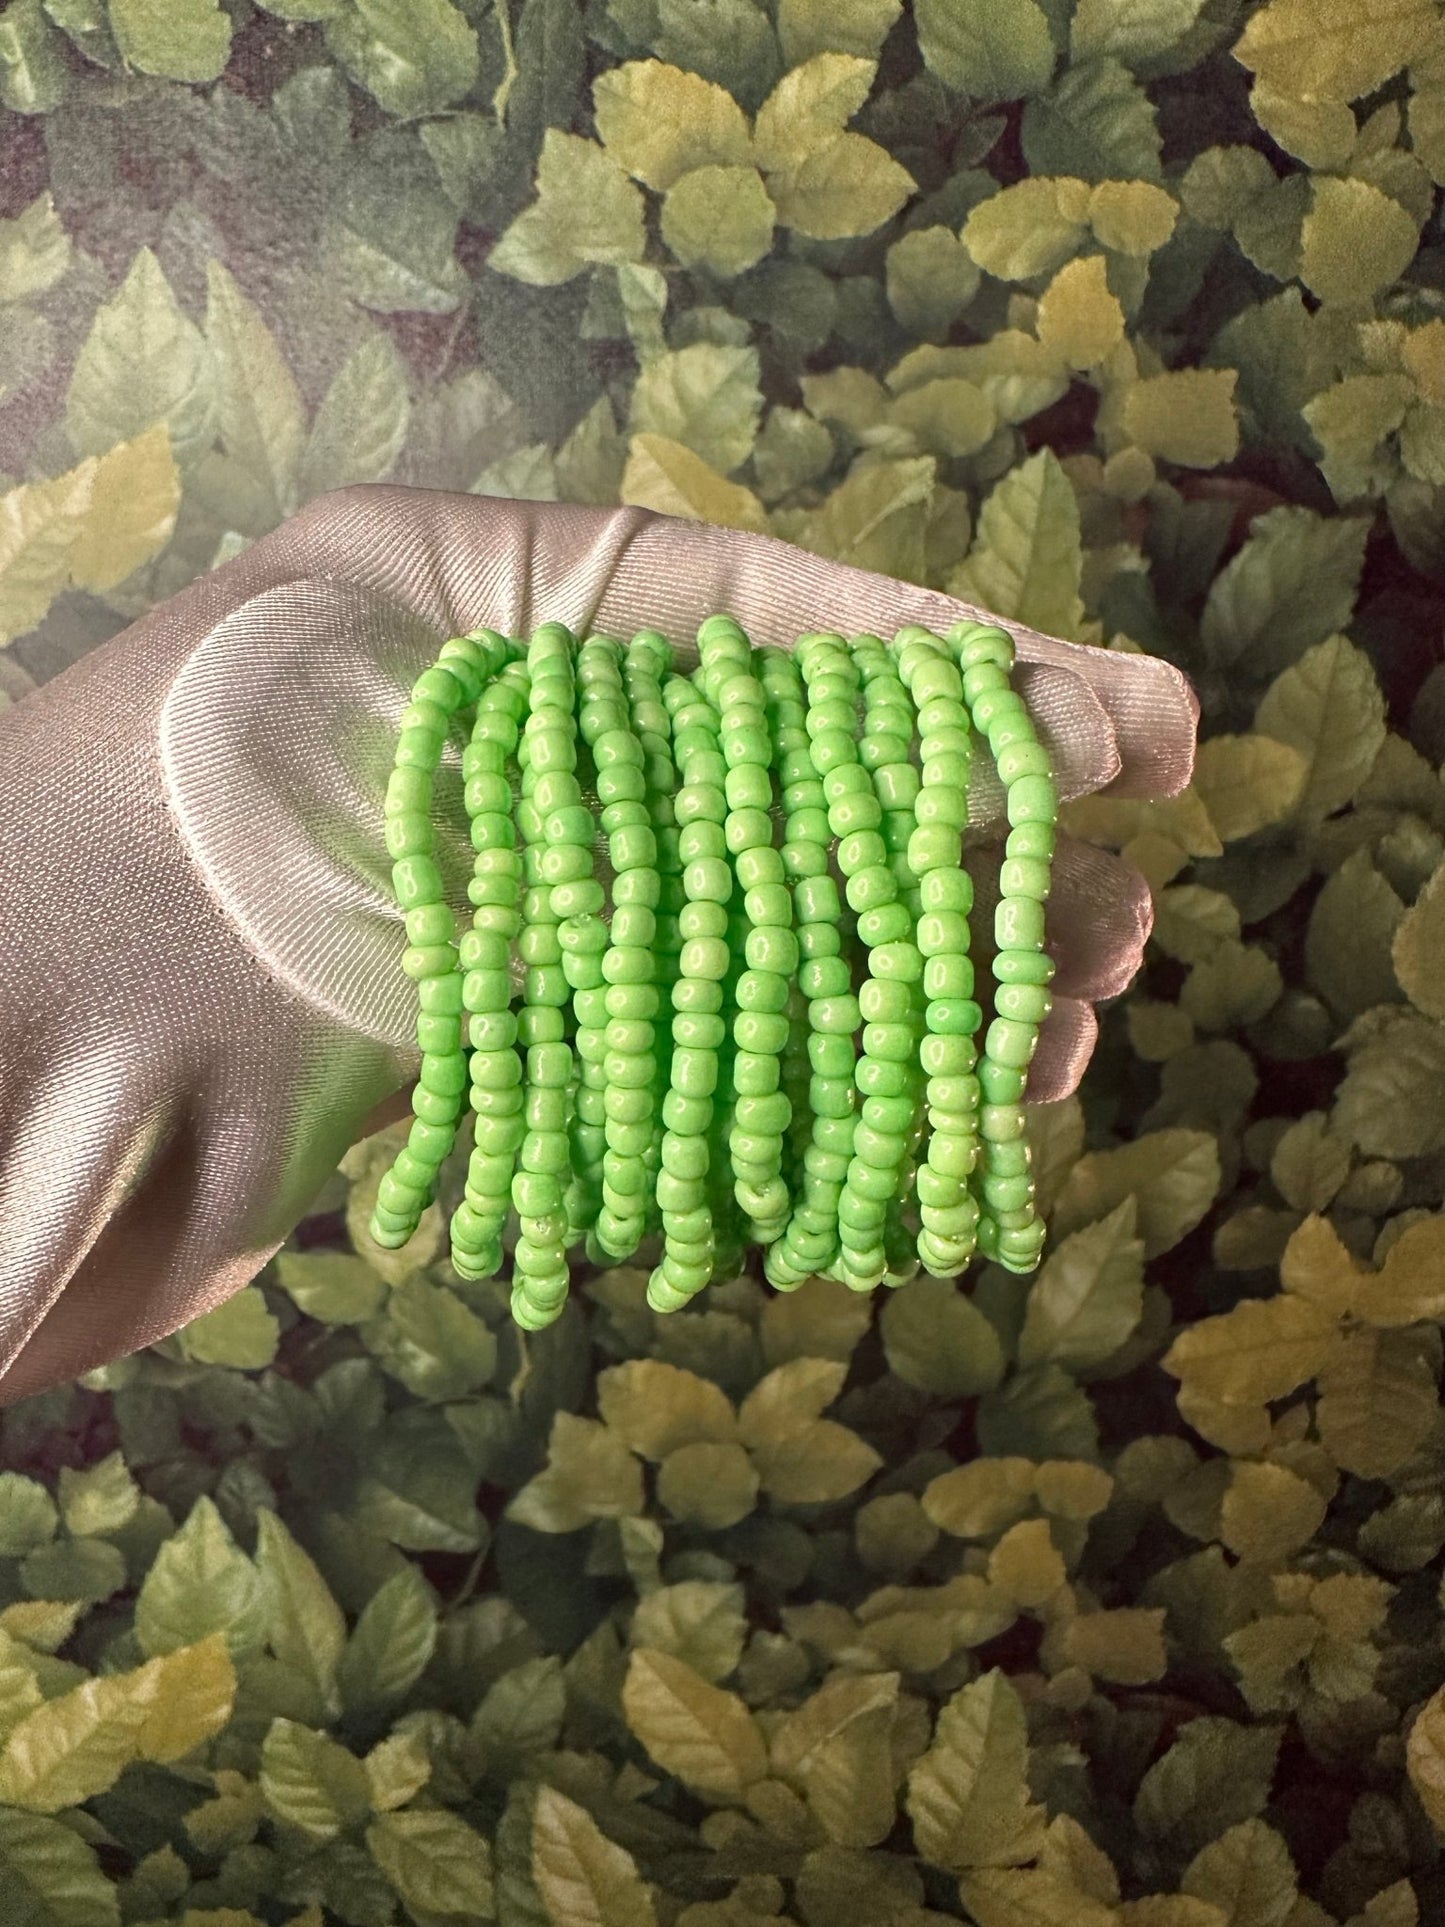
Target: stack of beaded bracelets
[818,1088]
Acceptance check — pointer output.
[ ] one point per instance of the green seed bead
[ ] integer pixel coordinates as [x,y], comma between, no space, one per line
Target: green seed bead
[445,1074]
[885,923]
[949,975]
[416,880]
[1023,967]
[1018,924]
[1032,799]
[1001,1124]
[1026,1003]
[430,923]
[1023,759]
[1011,1044]
[1032,840]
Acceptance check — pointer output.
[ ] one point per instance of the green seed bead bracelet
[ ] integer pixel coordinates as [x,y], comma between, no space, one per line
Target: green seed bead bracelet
[784,837]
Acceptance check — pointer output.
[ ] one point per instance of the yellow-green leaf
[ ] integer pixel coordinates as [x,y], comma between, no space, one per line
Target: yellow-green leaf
[195,1697]
[836,1748]
[1132,217]
[1030,228]
[34,251]
[1186,416]
[1327,705]
[200,1583]
[810,104]
[1174,1175]
[1328,48]
[663,475]
[78,1745]
[698,1733]
[304,1625]
[1248,782]
[719,218]
[310,1782]
[656,1407]
[988,49]
[589,1474]
[242,1333]
[584,1879]
[176,39]
[440,1867]
[936,1338]
[968,1795]
[1089,1295]
[1027,559]
[1425,1757]
[258,405]
[1418,951]
[1265,1348]
[1248,1874]
[981,1498]
[1079,318]
[586,211]
[1356,241]
[844,187]
[40,525]
[659,122]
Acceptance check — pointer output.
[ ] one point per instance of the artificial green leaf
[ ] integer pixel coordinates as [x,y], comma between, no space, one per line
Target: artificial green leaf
[1389,1102]
[698,1621]
[242,1333]
[34,251]
[586,211]
[989,52]
[1356,241]
[71,1748]
[1328,706]
[305,1628]
[1026,560]
[28,1515]
[32,60]
[1174,1175]
[1319,47]
[1348,945]
[179,39]
[700,1734]
[201,1583]
[1417,948]
[392,1643]
[432,1342]
[968,1795]
[1028,229]
[706,397]
[135,494]
[53,1876]
[858,27]
[1139,30]
[41,524]
[361,423]
[584,1879]
[465,150]
[1089,1295]
[413,56]
[1185,416]
[1132,217]
[1378,1402]
[83,1569]
[331,1286]
[1215,1775]
[310,1783]
[659,123]
[1265,1348]
[935,1338]
[1096,122]
[837,1750]
[931,279]
[100,1499]
[1425,1757]
[1293,584]
[1079,318]
[663,475]
[258,406]
[719,219]
[589,1475]
[439,1867]
[846,186]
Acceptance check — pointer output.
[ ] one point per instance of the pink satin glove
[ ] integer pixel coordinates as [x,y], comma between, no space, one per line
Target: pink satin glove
[200,999]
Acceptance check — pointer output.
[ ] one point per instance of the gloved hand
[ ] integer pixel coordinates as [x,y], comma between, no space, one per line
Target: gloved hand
[200,999]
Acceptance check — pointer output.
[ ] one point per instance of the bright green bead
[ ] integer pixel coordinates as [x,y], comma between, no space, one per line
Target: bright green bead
[884,1001]
[953,1156]
[1032,799]
[430,923]
[1026,1003]
[1018,924]
[881,1078]
[1025,877]
[1001,1124]
[445,1074]
[772,949]
[1023,759]
[943,933]
[1032,840]
[954,1016]
[901,961]
[885,923]
[416,880]
[891,1042]
[761,1031]
[439,1035]
[948,975]
[1023,967]
[1011,1044]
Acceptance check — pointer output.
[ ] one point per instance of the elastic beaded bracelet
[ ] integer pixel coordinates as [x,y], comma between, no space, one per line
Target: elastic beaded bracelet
[689,1233]
[1010,1231]
[430,960]
[628,1065]
[890,1092]
[809,1241]
[648,661]
[548,754]
[948,1055]
[761,1111]
[485,956]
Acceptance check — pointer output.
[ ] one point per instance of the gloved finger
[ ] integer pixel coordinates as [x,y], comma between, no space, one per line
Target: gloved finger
[1066,1043]
[458,560]
[1100,914]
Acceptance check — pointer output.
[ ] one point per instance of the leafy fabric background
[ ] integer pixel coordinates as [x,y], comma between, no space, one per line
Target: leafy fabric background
[1110,1599]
